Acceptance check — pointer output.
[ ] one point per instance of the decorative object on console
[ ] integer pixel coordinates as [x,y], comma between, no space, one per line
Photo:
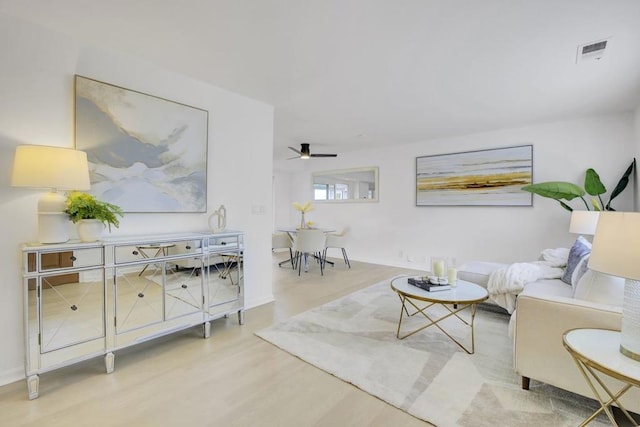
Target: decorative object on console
[91,215]
[560,190]
[55,168]
[616,251]
[220,215]
[303,209]
[475,178]
[147,154]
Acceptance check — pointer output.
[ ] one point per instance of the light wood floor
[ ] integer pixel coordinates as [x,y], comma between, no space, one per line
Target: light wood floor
[232,379]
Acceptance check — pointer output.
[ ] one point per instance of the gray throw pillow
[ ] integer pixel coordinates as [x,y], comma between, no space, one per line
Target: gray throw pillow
[579,250]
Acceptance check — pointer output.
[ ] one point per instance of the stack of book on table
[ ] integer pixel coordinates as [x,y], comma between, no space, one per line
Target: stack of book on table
[428,285]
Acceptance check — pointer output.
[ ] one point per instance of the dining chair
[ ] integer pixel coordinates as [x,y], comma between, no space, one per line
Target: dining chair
[309,242]
[338,241]
[283,241]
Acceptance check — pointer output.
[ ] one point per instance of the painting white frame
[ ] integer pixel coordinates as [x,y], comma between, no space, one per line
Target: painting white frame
[145,153]
[492,177]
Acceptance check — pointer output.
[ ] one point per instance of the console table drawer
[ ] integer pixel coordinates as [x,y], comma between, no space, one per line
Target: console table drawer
[63,260]
[152,251]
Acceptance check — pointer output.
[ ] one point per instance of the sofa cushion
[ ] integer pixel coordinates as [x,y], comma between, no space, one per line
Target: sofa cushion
[478,272]
[580,249]
[601,288]
[548,287]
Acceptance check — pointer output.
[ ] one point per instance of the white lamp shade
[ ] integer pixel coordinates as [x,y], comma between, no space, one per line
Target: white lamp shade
[616,245]
[584,222]
[41,166]
[616,251]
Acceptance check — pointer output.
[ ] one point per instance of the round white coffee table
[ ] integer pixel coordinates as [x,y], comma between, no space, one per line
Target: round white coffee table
[464,295]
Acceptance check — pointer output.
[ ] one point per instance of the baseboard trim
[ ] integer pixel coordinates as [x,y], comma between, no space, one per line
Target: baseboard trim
[12,375]
[248,304]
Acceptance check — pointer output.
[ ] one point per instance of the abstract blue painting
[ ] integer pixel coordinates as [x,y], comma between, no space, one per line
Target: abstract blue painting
[146,154]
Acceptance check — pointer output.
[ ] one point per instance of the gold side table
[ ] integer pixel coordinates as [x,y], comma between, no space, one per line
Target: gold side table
[597,354]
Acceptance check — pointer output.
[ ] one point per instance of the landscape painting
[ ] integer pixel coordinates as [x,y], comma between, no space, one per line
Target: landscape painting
[475,178]
[146,154]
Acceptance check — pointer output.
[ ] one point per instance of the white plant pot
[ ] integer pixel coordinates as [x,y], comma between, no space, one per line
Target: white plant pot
[90,230]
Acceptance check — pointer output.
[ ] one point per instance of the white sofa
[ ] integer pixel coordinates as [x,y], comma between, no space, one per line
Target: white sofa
[545,310]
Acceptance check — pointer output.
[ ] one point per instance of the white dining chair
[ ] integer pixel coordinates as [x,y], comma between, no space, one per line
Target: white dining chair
[309,242]
[338,241]
[283,241]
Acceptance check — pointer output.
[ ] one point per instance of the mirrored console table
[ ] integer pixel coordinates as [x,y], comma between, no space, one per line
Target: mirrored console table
[83,300]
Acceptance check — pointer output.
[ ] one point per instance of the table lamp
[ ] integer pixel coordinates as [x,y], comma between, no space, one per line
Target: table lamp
[616,251]
[584,222]
[54,168]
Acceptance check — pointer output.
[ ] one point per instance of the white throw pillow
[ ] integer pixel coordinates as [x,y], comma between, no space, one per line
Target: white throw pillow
[601,288]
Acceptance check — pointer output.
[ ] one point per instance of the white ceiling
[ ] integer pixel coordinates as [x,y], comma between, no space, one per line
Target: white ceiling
[347,74]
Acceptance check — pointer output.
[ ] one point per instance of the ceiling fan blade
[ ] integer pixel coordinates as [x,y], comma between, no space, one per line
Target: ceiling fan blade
[291,158]
[296,150]
[323,155]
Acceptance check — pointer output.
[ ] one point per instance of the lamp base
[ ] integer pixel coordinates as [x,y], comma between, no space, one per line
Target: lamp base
[53,223]
[630,340]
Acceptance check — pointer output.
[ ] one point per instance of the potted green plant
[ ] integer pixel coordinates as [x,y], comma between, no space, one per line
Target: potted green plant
[91,215]
[567,191]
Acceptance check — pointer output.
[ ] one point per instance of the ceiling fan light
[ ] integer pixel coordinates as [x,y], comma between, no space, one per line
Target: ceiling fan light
[304,156]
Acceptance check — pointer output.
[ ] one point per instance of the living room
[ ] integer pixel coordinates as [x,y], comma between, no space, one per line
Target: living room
[41,59]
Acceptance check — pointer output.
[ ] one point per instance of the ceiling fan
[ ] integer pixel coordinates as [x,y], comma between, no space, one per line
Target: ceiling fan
[305,153]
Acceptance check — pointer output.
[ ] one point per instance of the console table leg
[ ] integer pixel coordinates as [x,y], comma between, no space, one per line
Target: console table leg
[33,386]
[109,362]
[207,329]
[241,317]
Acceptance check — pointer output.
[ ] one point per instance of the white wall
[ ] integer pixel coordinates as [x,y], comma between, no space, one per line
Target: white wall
[389,231]
[36,107]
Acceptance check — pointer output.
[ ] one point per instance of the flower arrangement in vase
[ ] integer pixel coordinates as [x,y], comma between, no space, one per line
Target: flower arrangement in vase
[91,215]
[303,209]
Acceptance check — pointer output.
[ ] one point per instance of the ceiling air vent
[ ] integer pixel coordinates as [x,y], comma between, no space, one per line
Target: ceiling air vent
[593,51]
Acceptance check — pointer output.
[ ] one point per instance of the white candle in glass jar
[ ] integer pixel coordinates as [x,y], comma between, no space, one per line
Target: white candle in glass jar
[452,276]
[438,268]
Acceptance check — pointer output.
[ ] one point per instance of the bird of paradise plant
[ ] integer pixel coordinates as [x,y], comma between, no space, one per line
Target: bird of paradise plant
[560,190]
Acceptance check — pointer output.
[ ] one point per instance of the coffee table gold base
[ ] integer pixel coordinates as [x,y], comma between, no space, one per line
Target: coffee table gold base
[457,308]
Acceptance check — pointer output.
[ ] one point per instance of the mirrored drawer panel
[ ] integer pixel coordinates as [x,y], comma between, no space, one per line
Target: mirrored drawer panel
[154,250]
[56,260]
[71,308]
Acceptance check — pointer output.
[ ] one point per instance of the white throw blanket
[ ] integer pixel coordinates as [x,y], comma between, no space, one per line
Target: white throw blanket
[507,282]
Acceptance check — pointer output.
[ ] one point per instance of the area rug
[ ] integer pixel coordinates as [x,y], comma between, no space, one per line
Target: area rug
[426,374]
